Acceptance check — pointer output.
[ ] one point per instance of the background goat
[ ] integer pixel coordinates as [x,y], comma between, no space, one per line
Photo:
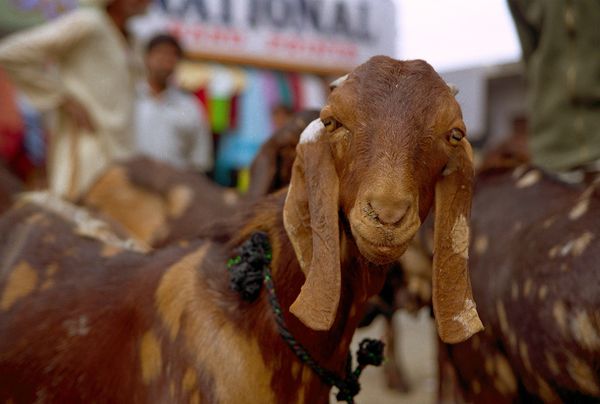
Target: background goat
[534,268]
[160,204]
[78,324]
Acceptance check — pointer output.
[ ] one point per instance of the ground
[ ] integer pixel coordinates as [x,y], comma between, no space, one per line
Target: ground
[416,348]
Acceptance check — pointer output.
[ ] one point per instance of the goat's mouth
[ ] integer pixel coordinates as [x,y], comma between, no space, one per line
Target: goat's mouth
[382,246]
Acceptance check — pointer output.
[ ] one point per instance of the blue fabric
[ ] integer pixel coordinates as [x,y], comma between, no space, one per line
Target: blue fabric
[238,148]
[33,142]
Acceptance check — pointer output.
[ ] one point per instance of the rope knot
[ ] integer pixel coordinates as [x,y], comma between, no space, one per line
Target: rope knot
[246,270]
[348,390]
[370,352]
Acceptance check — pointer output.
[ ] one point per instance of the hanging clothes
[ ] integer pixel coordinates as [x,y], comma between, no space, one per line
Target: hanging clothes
[295,84]
[220,91]
[34,141]
[238,148]
[285,92]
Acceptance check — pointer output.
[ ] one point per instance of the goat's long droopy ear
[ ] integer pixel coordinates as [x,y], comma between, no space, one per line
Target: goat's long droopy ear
[310,216]
[453,305]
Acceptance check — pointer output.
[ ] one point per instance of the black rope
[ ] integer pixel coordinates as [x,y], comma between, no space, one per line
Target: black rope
[247,273]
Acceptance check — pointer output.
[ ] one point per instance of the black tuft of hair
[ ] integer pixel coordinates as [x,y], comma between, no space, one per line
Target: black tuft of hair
[161,39]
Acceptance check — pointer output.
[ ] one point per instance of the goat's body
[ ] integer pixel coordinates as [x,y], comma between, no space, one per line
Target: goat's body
[76,335]
[84,321]
[157,203]
[534,272]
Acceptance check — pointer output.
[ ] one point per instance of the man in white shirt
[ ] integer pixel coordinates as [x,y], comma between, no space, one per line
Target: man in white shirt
[170,124]
[88,92]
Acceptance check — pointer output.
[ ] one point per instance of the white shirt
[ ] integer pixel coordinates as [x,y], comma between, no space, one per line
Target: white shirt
[92,63]
[171,127]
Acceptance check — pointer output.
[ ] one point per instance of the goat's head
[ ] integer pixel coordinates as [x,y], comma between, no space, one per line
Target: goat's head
[389,140]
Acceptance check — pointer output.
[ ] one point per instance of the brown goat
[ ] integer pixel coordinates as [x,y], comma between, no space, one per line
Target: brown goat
[81,321]
[141,193]
[160,204]
[534,267]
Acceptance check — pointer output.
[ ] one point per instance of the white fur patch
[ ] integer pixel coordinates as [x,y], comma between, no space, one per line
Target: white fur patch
[312,132]
[337,82]
[583,331]
[574,247]
[529,179]
[460,237]
[85,224]
[582,206]
[468,315]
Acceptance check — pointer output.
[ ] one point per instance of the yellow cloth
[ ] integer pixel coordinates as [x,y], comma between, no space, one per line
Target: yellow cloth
[81,54]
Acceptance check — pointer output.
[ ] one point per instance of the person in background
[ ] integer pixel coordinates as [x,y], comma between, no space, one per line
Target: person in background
[280,114]
[560,40]
[170,124]
[78,68]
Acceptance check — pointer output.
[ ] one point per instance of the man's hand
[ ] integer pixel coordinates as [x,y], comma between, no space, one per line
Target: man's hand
[78,113]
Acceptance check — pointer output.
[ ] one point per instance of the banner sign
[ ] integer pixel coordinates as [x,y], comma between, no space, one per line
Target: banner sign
[309,34]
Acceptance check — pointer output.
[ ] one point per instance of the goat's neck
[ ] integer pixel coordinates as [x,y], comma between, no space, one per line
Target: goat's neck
[360,280]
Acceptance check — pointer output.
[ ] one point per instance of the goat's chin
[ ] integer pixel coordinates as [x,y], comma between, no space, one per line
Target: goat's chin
[379,255]
[374,247]
[380,244]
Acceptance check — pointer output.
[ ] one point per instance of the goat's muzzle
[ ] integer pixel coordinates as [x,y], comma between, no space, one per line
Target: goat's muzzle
[383,234]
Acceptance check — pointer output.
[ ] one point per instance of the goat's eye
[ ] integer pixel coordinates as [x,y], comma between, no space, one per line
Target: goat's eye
[456,135]
[331,124]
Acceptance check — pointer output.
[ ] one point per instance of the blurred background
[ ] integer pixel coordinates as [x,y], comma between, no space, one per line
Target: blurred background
[251,63]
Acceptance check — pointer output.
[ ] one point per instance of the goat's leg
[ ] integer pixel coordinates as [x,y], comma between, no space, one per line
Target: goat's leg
[395,376]
[448,388]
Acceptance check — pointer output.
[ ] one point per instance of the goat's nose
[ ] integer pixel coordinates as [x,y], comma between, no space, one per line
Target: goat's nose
[388,210]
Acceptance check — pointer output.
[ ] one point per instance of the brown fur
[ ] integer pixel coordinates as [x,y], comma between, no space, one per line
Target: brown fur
[157,203]
[166,327]
[537,290]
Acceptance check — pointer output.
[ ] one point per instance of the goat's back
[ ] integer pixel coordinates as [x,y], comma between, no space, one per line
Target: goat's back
[159,203]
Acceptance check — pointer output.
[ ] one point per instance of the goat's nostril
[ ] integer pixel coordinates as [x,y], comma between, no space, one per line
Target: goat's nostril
[390,212]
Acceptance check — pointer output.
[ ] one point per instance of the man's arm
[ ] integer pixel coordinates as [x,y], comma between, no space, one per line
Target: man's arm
[27,56]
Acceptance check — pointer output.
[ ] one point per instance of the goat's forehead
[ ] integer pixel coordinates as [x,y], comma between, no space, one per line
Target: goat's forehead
[397,109]
[388,71]
[381,96]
